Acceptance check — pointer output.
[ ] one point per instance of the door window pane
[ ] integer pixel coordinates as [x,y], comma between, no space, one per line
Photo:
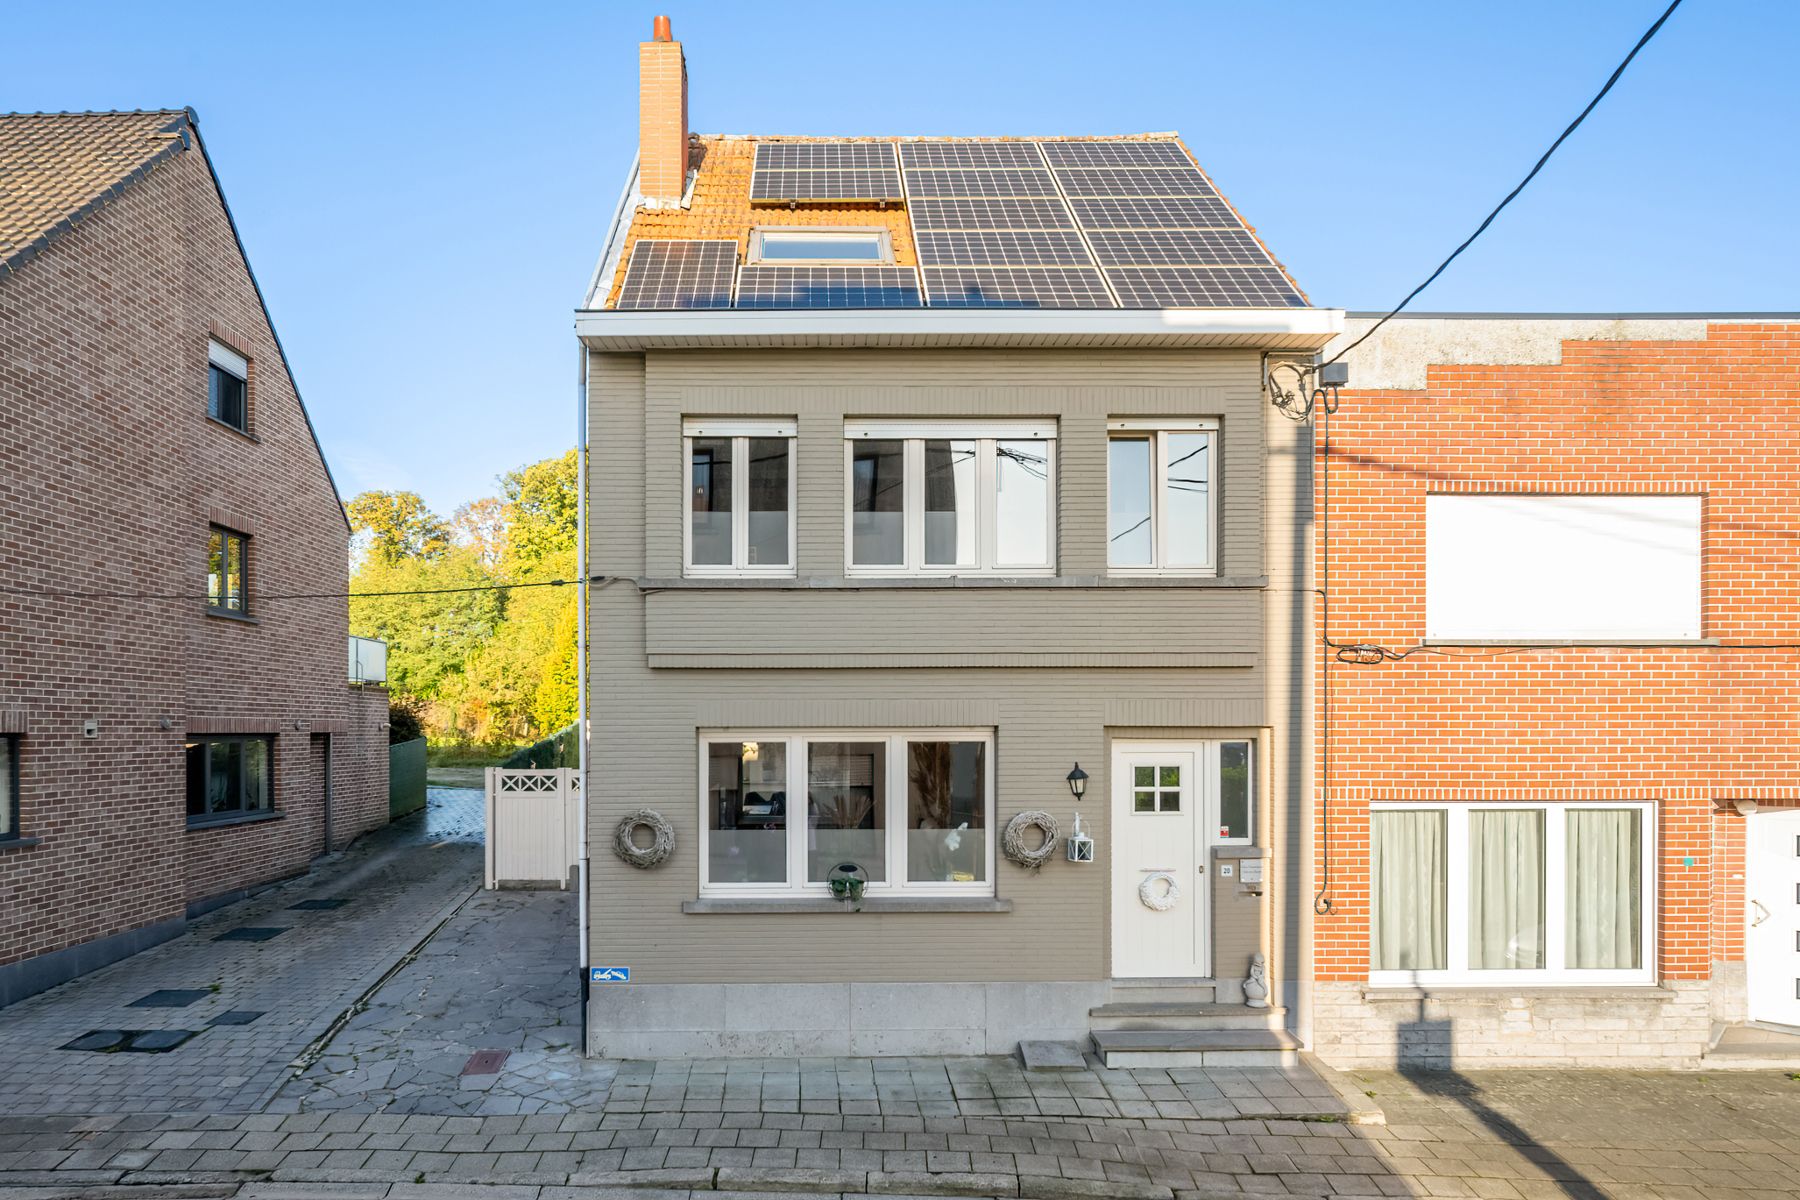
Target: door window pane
[1506,889]
[1604,888]
[846,802]
[1234,790]
[950,503]
[710,501]
[1408,923]
[746,795]
[1129,534]
[1022,503]
[768,502]
[1187,520]
[878,502]
[946,812]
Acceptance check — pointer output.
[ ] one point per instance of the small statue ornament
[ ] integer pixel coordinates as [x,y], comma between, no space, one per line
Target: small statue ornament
[1256,988]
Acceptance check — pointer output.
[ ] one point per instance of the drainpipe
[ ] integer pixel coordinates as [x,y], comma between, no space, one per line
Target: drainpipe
[581,674]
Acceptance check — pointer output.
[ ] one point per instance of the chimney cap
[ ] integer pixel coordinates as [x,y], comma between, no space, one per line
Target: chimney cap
[660,30]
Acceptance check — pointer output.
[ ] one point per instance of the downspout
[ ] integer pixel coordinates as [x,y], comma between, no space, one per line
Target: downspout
[581,674]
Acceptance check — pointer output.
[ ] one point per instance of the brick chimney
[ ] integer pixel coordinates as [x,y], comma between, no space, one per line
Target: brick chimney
[662,117]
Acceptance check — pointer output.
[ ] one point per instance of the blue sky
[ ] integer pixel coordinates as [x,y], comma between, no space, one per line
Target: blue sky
[423,188]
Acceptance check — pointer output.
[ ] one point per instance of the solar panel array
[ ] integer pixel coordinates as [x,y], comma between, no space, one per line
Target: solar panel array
[1002,224]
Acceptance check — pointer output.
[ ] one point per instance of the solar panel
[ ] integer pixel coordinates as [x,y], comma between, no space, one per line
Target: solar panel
[1013,213]
[935,181]
[1203,287]
[679,274]
[1153,212]
[1016,287]
[845,186]
[1186,247]
[914,155]
[1115,154]
[1015,247]
[1133,181]
[824,156]
[828,287]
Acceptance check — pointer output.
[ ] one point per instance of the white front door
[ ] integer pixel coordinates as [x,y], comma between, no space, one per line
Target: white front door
[1772,913]
[1160,914]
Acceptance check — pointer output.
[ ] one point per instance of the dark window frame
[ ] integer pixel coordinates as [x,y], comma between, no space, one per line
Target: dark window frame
[9,776]
[218,391]
[198,754]
[220,605]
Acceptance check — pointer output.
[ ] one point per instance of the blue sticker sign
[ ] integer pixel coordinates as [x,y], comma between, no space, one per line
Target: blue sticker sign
[609,974]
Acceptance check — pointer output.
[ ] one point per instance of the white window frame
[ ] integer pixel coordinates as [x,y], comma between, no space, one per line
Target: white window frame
[985,435]
[894,828]
[1456,905]
[1209,785]
[1157,429]
[739,432]
[882,238]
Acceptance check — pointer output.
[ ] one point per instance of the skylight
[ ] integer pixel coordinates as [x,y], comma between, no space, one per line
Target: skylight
[820,246]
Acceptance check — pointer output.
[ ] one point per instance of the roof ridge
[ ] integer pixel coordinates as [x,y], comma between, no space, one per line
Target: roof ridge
[102,112]
[1158,135]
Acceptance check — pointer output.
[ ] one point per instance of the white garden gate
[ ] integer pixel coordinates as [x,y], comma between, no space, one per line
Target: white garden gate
[532,827]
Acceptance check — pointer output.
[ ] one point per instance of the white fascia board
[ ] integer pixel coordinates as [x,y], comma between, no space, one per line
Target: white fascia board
[1287,328]
[600,284]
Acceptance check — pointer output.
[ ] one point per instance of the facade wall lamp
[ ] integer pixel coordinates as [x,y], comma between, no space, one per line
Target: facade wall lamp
[1077,782]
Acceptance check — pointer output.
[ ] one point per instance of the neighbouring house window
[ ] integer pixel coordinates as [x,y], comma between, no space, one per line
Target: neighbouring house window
[950,498]
[1562,568]
[1511,893]
[814,245]
[228,777]
[227,572]
[9,786]
[740,481]
[1160,478]
[227,386]
[910,813]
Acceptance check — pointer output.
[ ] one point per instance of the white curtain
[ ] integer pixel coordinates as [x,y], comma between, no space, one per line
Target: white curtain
[1605,892]
[1408,871]
[1506,889]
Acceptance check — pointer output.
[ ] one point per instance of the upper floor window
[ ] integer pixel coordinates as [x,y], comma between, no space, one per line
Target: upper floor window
[950,498]
[1562,568]
[740,497]
[227,572]
[228,777]
[813,245]
[1160,517]
[227,386]
[9,787]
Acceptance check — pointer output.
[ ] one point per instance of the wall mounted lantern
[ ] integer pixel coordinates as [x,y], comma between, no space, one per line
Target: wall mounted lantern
[1077,782]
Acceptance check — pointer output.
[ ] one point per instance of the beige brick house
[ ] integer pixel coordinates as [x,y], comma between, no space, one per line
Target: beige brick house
[173,732]
[931,477]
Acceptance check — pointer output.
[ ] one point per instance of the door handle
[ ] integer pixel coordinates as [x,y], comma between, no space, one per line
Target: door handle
[1763,913]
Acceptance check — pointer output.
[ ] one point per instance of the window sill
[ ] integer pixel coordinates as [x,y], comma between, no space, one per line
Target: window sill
[870,904]
[229,427]
[1238,850]
[1574,643]
[240,618]
[18,843]
[194,826]
[942,582]
[1487,991]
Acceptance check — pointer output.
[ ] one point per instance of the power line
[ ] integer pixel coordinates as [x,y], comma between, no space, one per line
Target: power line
[1529,176]
[264,597]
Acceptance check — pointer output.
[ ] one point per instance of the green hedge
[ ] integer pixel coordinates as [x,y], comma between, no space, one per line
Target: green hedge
[560,749]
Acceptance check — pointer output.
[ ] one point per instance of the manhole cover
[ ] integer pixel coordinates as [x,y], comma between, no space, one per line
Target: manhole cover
[170,998]
[99,1040]
[485,1062]
[320,905]
[251,933]
[235,1017]
[131,1041]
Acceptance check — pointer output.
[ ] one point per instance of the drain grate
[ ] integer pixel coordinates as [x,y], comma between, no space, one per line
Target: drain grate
[130,1041]
[252,933]
[485,1062]
[319,905]
[170,998]
[236,1016]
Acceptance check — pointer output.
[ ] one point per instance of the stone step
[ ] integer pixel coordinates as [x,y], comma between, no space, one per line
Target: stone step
[1196,1047]
[1176,1015]
[1164,991]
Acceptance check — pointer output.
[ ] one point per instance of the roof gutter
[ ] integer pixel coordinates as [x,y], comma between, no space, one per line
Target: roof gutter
[1242,328]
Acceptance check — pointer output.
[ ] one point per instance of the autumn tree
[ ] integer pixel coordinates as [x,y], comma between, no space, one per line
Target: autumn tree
[391,526]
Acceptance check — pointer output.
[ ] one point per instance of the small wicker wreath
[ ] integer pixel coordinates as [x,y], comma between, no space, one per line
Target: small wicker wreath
[1161,901]
[662,839]
[1012,841]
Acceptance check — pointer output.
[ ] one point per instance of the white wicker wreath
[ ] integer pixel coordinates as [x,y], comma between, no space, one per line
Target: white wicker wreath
[1161,901]
[662,838]
[1012,841]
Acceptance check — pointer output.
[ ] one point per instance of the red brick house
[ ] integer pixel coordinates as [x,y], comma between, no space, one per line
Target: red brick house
[173,733]
[1580,535]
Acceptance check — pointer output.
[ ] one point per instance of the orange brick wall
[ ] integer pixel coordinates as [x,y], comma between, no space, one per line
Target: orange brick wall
[662,120]
[1684,726]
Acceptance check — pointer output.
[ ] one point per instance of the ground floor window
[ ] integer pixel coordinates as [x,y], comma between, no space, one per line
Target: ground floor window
[9,786]
[906,812]
[1511,893]
[228,777]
